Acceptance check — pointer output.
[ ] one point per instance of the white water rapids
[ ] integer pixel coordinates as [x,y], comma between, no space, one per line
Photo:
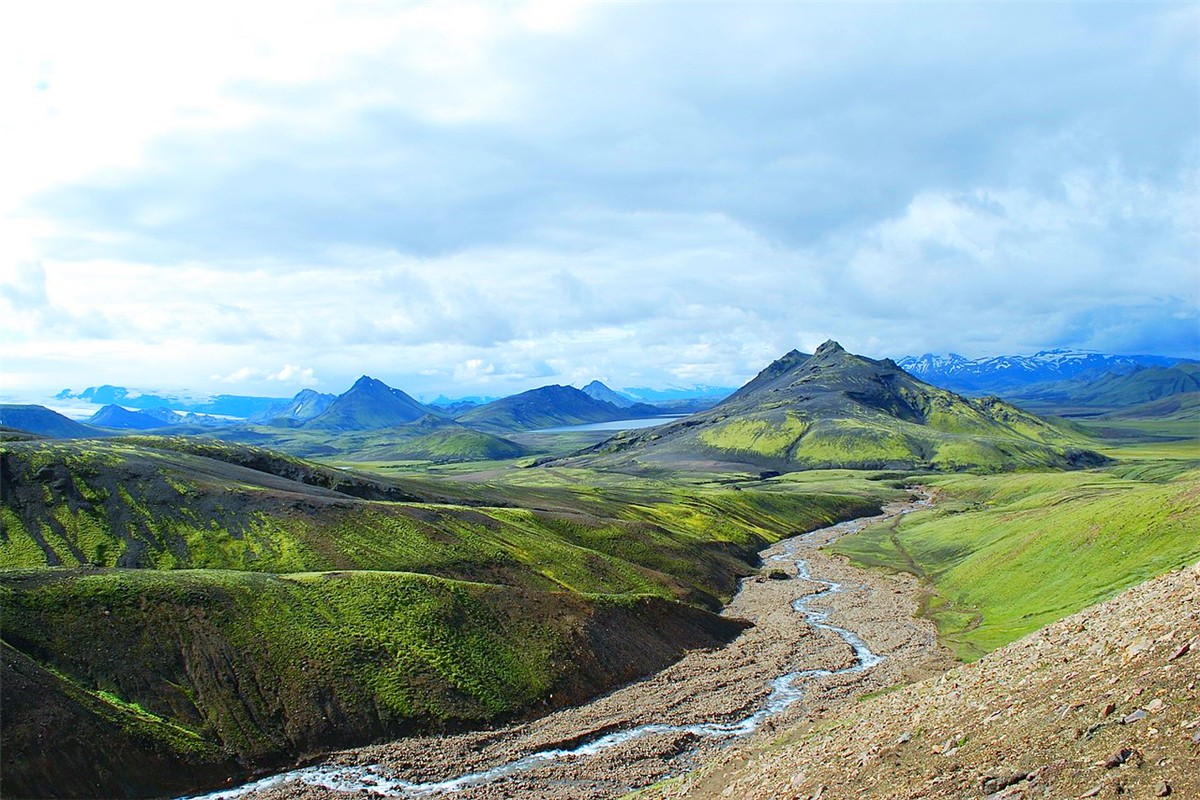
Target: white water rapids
[786,690]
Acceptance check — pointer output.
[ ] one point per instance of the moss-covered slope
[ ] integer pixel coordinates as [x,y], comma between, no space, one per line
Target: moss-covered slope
[198,603]
[1005,554]
[201,669]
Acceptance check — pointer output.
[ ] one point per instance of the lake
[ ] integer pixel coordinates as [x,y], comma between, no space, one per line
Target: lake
[614,425]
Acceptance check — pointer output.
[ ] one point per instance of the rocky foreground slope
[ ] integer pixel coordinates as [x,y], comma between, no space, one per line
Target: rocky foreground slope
[1100,704]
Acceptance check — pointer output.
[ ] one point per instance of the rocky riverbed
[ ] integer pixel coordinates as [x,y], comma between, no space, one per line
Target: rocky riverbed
[1104,703]
[697,710]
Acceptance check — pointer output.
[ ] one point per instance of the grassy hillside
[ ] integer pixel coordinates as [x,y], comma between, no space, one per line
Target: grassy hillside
[127,504]
[217,602]
[205,668]
[1005,555]
[430,438]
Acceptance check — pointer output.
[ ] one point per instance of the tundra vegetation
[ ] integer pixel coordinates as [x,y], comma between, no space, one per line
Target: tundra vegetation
[176,610]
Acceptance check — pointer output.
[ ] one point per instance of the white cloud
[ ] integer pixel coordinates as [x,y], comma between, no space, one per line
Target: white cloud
[497,194]
[241,376]
[294,374]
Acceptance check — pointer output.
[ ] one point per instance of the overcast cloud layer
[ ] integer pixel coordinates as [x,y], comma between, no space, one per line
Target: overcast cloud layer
[484,198]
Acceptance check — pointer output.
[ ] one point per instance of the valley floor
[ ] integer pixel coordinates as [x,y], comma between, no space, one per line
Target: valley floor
[724,684]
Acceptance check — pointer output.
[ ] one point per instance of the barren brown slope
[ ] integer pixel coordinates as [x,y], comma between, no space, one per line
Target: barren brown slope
[1102,703]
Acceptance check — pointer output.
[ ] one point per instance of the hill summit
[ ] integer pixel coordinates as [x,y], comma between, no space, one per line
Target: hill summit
[368,404]
[598,391]
[837,409]
[547,407]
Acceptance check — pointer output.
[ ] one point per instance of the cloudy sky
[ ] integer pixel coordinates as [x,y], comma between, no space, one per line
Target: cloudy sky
[478,199]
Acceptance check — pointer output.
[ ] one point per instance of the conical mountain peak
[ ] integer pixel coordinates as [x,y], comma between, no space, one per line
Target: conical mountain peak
[369,403]
[829,347]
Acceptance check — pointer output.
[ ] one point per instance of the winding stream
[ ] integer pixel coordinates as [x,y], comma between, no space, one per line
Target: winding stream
[786,690]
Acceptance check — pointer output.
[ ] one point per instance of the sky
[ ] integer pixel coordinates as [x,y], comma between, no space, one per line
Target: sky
[477,199]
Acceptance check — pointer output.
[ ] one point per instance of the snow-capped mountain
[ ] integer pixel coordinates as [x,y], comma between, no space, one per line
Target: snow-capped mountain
[999,373]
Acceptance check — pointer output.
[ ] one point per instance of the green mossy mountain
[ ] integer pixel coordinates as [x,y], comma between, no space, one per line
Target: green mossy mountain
[43,421]
[549,407]
[368,404]
[202,608]
[834,409]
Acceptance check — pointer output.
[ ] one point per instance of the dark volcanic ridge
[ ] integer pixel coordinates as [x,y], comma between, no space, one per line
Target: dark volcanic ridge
[836,409]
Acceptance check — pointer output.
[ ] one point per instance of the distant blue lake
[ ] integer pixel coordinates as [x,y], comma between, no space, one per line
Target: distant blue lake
[615,425]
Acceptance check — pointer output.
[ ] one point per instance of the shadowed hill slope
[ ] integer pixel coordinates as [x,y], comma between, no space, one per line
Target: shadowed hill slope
[1111,390]
[369,403]
[598,391]
[548,407]
[113,416]
[835,409]
[43,421]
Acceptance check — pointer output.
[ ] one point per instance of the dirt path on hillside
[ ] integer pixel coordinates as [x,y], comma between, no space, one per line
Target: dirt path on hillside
[637,735]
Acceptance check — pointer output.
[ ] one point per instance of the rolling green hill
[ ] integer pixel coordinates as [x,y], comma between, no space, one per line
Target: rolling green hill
[194,604]
[834,409]
[433,439]
[1003,555]
[430,438]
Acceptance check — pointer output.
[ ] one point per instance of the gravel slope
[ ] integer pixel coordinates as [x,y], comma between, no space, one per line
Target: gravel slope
[1100,704]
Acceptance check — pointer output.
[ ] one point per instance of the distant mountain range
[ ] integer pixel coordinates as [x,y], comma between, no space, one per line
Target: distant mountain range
[1004,373]
[1051,381]
[306,405]
[222,404]
[835,409]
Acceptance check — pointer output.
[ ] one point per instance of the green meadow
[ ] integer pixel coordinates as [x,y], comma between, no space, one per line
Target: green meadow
[1003,555]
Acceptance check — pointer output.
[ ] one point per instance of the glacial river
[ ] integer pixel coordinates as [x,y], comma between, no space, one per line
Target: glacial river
[786,690]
